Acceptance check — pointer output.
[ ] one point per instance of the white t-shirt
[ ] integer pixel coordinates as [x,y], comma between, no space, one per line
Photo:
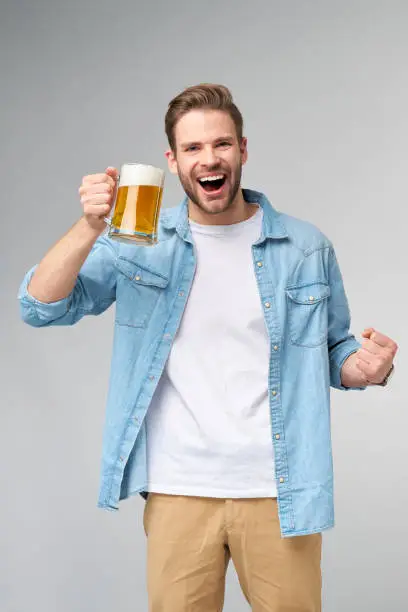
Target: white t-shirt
[208,426]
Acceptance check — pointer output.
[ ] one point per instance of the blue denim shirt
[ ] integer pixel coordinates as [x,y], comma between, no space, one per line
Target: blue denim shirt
[307,317]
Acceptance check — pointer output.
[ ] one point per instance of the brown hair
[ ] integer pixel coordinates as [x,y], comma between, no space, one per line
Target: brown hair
[206,96]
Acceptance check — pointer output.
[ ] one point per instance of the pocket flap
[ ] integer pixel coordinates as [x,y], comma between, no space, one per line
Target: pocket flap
[140,274]
[309,294]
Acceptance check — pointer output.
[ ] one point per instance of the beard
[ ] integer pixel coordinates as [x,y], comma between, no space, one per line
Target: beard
[193,189]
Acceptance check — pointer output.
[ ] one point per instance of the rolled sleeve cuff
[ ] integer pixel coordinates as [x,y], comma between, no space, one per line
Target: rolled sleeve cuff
[34,311]
[337,357]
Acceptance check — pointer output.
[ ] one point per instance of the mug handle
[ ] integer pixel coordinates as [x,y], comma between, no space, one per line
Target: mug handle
[108,220]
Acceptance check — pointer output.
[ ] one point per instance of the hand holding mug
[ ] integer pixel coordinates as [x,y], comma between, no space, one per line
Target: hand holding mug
[98,194]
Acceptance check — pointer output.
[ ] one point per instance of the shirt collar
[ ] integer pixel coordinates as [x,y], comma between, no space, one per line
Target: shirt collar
[272,225]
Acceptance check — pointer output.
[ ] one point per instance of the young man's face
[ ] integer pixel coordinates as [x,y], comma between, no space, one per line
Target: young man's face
[207,147]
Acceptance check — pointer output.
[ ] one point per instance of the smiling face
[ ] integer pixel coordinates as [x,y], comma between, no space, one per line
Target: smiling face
[208,159]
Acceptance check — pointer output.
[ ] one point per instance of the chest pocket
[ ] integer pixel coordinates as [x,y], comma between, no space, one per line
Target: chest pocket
[308,314]
[138,292]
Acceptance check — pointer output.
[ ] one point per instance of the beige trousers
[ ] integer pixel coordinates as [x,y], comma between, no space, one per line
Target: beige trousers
[190,541]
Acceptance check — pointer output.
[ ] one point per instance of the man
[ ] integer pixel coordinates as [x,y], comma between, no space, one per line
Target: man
[228,335]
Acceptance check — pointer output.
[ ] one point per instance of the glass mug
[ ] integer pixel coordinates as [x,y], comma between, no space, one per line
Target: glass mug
[137,206]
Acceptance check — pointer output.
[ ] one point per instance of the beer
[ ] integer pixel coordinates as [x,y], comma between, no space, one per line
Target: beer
[138,201]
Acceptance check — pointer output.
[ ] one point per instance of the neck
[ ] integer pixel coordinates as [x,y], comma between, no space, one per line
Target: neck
[238,211]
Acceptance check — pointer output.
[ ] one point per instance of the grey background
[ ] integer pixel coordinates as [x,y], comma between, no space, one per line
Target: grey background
[324,91]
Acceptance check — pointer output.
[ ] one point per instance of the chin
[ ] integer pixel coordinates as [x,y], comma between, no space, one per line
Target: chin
[215,207]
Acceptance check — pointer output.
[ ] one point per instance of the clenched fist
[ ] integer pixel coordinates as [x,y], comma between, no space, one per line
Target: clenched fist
[98,192]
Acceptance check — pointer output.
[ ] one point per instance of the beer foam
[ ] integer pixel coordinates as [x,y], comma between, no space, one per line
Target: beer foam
[140,174]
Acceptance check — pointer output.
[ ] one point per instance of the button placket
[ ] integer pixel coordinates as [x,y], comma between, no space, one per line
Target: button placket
[271,318]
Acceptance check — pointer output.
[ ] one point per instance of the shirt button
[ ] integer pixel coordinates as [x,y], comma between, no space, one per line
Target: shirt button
[181,293]
[274,392]
[281,480]
[151,377]
[259,264]
[267,305]
[276,347]
[277,436]
[311,298]
[167,336]
[137,278]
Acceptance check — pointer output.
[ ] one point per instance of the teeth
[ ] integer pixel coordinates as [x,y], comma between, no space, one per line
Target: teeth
[211,178]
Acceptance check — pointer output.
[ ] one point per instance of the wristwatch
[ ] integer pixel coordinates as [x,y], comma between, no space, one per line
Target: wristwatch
[387,378]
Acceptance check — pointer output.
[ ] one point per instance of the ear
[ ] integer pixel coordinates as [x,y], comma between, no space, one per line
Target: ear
[244,150]
[172,162]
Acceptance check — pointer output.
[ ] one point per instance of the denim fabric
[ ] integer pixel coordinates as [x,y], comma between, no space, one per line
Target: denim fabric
[307,317]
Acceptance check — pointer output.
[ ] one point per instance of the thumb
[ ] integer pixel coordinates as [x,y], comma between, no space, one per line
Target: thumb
[367,332]
[113,172]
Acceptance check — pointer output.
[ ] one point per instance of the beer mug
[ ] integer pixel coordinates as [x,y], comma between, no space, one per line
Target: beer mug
[138,200]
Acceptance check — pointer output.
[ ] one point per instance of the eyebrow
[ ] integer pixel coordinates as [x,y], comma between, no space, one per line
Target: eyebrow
[183,145]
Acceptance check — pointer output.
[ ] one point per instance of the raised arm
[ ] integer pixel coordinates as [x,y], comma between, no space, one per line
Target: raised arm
[76,276]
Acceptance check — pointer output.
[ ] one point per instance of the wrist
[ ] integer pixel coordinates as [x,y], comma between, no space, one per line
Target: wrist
[92,229]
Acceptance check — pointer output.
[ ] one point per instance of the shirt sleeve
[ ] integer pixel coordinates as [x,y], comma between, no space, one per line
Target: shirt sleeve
[93,293]
[341,342]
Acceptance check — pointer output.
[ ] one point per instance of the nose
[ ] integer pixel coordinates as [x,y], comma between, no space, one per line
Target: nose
[209,158]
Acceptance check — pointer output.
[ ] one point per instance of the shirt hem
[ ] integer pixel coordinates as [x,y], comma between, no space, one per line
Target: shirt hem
[225,494]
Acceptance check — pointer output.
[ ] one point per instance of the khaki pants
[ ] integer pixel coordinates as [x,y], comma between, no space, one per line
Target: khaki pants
[190,541]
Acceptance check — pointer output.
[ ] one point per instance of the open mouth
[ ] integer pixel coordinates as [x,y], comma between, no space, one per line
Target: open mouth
[212,184]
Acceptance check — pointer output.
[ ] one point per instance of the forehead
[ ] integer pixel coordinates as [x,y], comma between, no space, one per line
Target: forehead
[204,125]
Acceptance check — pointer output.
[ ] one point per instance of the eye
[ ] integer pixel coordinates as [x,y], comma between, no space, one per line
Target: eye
[224,144]
[192,148]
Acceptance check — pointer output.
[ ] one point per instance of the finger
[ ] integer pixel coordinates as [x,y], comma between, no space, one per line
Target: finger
[367,332]
[383,340]
[363,369]
[95,178]
[364,356]
[95,188]
[372,347]
[91,179]
[112,172]
[99,198]
[97,210]
[375,367]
